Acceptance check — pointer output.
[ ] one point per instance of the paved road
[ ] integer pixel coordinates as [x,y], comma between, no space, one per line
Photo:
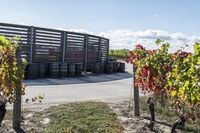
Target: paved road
[100,87]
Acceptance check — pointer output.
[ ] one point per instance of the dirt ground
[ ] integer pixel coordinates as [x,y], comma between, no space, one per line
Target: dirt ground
[34,120]
[133,124]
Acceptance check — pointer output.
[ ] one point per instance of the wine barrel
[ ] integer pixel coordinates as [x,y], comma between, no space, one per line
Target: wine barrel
[46,70]
[109,67]
[96,68]
[89,67]
[121,67]
[31,71]
[102,67]
[63,70]
[54,70]
[71,70]
[115,66]
[41,70]
[78,69]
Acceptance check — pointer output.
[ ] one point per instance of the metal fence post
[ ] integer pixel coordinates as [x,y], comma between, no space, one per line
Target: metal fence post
[85,52]
[31,44]
[64,47]
[136,95]
[107,50]
[100,42]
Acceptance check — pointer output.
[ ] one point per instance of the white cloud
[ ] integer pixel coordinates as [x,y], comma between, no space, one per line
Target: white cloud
[127,38]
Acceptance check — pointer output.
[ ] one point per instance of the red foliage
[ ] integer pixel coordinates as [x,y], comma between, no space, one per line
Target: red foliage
[139,47]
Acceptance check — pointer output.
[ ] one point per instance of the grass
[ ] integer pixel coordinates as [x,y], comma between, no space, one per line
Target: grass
[168,115]
[87,117]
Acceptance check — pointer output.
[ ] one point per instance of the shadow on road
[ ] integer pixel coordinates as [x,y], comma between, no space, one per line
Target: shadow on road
[79,80]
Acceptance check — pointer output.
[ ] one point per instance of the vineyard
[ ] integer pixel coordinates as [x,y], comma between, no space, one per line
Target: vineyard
[170,79]
[119,53]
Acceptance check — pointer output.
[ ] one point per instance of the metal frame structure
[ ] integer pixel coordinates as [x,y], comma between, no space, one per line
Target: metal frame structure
[40,45]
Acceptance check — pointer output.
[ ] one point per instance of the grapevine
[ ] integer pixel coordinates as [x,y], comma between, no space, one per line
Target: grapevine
[172,79]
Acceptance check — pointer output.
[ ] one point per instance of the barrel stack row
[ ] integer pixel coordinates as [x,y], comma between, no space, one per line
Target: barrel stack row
[108,67]
[52,70]
[62,70]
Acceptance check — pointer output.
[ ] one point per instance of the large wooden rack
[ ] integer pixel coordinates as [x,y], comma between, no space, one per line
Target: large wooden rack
[41,45]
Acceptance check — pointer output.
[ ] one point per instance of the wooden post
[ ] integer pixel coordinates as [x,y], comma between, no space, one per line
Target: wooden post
[64,46]
[31,43]
[107,49]
[100,43]
[136,95]
[85,52]
[17,102]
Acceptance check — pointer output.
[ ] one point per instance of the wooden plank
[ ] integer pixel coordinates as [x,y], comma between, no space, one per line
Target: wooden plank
[75,46]
[49,32]
[50,43]
[75,41]
[74,57]
[75,38]
[48,29]
[13,29]
[48,39]
[11,36]
[70,33]
[81,55]
[93,40]
[14,25]
[42,47]
[45,41]
[13,33]
[47,36]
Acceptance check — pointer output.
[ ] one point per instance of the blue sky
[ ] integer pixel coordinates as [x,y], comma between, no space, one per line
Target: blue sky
[101,16]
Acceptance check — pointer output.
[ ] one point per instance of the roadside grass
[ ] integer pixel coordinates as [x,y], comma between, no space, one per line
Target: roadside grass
[86,117]
[167,115]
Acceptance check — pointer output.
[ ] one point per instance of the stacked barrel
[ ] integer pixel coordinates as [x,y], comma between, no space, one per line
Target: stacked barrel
[108,67]
[78,69]
[52,70]
[63,70]
[31,71]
